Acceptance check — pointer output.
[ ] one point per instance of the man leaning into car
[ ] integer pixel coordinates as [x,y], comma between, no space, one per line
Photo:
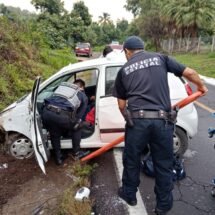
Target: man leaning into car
[62,114]
[142,90]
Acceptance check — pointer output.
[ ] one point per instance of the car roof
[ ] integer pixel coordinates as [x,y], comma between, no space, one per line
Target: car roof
[116,46]
[81,44]
[114,60]
[118,58]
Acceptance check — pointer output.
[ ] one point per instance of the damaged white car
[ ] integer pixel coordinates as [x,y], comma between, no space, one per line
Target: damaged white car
[26,135]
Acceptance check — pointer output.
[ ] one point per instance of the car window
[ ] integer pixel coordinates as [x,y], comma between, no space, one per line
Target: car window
[48,90]
[83,45]
[110,76]
[89,76]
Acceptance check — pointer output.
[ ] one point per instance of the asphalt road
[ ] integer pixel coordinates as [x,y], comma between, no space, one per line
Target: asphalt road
[191,196]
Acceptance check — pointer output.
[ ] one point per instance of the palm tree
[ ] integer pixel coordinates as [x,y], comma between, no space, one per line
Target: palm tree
[105,19]
[190,14]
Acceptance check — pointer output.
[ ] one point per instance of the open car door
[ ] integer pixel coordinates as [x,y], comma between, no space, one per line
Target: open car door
[39,144]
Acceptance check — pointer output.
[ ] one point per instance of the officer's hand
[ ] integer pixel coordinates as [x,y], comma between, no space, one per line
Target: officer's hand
[77,124]
[203,89]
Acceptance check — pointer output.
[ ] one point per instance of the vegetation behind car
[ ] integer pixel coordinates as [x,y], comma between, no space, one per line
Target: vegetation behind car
[22,61]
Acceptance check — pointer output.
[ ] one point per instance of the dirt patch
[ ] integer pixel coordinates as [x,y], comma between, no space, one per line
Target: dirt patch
[24,189]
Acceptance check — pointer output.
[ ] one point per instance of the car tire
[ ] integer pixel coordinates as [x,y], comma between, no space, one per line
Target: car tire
[180,142]
[19,146]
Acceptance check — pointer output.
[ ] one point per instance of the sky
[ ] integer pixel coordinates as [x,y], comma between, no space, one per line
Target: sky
[96,7]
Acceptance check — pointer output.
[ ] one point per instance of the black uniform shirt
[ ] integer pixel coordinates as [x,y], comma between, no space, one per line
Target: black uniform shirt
[65,104]
[143,81]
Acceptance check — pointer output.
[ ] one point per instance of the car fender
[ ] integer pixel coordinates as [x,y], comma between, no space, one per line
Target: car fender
[17,119]
[184,123]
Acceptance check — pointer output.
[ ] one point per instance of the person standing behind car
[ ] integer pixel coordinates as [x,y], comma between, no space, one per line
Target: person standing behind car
[141,88]
[107,50]
[63,113]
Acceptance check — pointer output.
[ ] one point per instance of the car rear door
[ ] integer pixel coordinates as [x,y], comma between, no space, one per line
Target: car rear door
[37,137]
[111,122]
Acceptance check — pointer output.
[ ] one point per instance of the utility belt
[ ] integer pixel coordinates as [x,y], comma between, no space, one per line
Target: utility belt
[59,110]
[148,114]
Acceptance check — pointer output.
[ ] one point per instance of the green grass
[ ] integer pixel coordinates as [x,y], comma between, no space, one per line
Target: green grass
[204,64]
[67,203]
[20,74]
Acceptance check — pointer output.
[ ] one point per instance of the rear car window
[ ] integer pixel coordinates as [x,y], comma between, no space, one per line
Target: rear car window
[83,45]
[110,76]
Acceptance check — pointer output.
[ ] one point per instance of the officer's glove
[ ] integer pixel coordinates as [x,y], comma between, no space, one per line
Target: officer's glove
[77,124]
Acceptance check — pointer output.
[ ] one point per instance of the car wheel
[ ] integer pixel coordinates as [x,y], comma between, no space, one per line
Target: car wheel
[180,141]
[19,146]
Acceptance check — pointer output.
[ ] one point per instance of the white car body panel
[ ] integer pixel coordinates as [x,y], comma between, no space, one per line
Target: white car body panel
[17,117]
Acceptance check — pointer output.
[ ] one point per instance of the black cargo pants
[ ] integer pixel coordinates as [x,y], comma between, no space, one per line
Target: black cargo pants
[58,125]
[159,133]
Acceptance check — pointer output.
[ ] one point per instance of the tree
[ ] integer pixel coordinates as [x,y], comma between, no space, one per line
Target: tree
[190,14]
[16,14]
[148,21]
[142,7]
[153,28]
[133,28]
[79,9]
[54,29]
[50,6]
[109,33]
[134,6]
[122,29]
[105,19]
[122,25]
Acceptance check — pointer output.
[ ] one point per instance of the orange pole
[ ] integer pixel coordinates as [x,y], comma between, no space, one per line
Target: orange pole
[110,145]
[187,100]
[103,149]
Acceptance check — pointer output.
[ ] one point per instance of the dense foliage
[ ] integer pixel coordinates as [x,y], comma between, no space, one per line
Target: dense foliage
[23,57]
[63,28]
[154,20]
[30,43]
[159,19]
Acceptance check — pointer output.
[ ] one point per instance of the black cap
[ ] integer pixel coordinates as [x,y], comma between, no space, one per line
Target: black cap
[133,42]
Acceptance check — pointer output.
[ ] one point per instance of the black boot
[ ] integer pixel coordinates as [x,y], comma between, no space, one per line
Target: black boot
[58,157]
[80,154]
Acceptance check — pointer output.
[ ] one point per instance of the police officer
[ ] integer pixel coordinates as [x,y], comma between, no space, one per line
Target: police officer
[142,91]
[62,115]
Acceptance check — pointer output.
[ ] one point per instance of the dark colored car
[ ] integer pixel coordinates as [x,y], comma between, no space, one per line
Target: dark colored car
[83,49]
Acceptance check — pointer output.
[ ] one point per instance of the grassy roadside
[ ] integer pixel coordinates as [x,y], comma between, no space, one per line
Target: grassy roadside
[17,77]
[67,204]
[23,57]
[204,64]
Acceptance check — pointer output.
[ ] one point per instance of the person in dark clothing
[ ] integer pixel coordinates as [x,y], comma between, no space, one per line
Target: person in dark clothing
[107,50]
[142,91]
[62,114]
